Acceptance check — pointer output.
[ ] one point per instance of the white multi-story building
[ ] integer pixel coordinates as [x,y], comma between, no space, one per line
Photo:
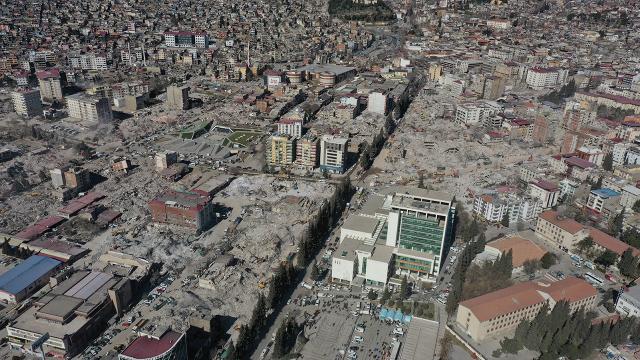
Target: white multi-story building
[603,200]
[291,127]
[568,187]
[378,102]
[632,156]
[545,191]
[333,153]
[628,303]
[90,108]
[630,195]
[88,62]
[490,207]
[541,78]
[473,113]
[619,153]
[27,102]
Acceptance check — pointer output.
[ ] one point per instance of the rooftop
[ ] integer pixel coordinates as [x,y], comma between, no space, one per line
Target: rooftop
[361,223]
[522,249]
[175,198]
[605,193]
[564,223]
[146,347]
[26,273]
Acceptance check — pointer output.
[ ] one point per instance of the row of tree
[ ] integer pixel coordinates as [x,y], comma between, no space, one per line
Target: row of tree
[285,338]
[285,277]
[458,278]
[491,276]
[560,332]
[557,96]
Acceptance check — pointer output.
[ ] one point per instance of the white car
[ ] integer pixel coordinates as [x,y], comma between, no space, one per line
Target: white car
[359,329]
[398,331]
[358,339]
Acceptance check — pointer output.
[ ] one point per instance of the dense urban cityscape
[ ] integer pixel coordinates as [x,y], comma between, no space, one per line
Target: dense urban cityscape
[320,179]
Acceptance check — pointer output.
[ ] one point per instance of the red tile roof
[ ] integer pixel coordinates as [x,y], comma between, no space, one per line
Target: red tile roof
[564,223]
[610,243]
[146,347]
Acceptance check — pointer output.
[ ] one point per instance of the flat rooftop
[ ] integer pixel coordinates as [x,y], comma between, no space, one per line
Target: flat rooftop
[180,199]
[317,68]
[420,341]
[361,223]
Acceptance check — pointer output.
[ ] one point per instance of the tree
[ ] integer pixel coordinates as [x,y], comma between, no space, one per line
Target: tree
[258,317]
[315,272]
[617,223]
[279,343]
[597,185]
[505,220]
[421,181]
[446,344]
[404,288]
[386,294]
[548,260]
[607,258]
[628,264]
[585,244]
[531,266]
[607,162]
[372,295]
[636,206]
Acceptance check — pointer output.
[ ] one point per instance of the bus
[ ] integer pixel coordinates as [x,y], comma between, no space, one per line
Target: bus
[593,279]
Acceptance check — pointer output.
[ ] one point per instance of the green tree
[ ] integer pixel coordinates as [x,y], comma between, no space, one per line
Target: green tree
[372,295]
[607,258]
[279,346]
[597,185]
[636,206]
[446,345]
[404,288]
[315,272]
[505,220]
[585,244]
[628,264]
[531,266]
[607,162]
[386,294]
[548,260]
[617,223]
[421,181]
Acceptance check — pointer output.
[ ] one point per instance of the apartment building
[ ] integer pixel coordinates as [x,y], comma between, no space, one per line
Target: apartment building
[281,150]
[292,127]
[560,231]
[178,97]
[50,84]
[545,191]
[333,153]
[27,102]
[603,201]
[541,78]
[90,108]
[378,102]
[308,151]
[474,113]
[95,62]
[500,312]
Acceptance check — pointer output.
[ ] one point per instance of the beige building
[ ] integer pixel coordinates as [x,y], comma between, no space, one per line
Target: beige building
[307,151]
[560,231]
[50,85]
[281,150]
[500,312]
[89,108]
[27,102]
[178,97]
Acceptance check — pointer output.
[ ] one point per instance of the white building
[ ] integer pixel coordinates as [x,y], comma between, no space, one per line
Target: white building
[378,103]
[601,200]
[632,156]
[541,78]
[88,62]
[628,303]
[403,233]
[568,187]
[333,154]
[474,113]
[291,127]
[490,207]
[89,108]
[630,194]
[619,153]
[545,191]
[27,102]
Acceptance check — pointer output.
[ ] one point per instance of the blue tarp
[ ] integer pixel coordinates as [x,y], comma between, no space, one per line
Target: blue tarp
[395,315]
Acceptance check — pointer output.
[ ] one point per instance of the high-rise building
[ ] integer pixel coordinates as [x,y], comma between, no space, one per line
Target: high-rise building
[178,97]
[291,127]
[91,108]
[27,102]
[333,154]
[307,151]
[186,39]
[50,84]
[378,103]
[406,232]
[493,87]
[281,150]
